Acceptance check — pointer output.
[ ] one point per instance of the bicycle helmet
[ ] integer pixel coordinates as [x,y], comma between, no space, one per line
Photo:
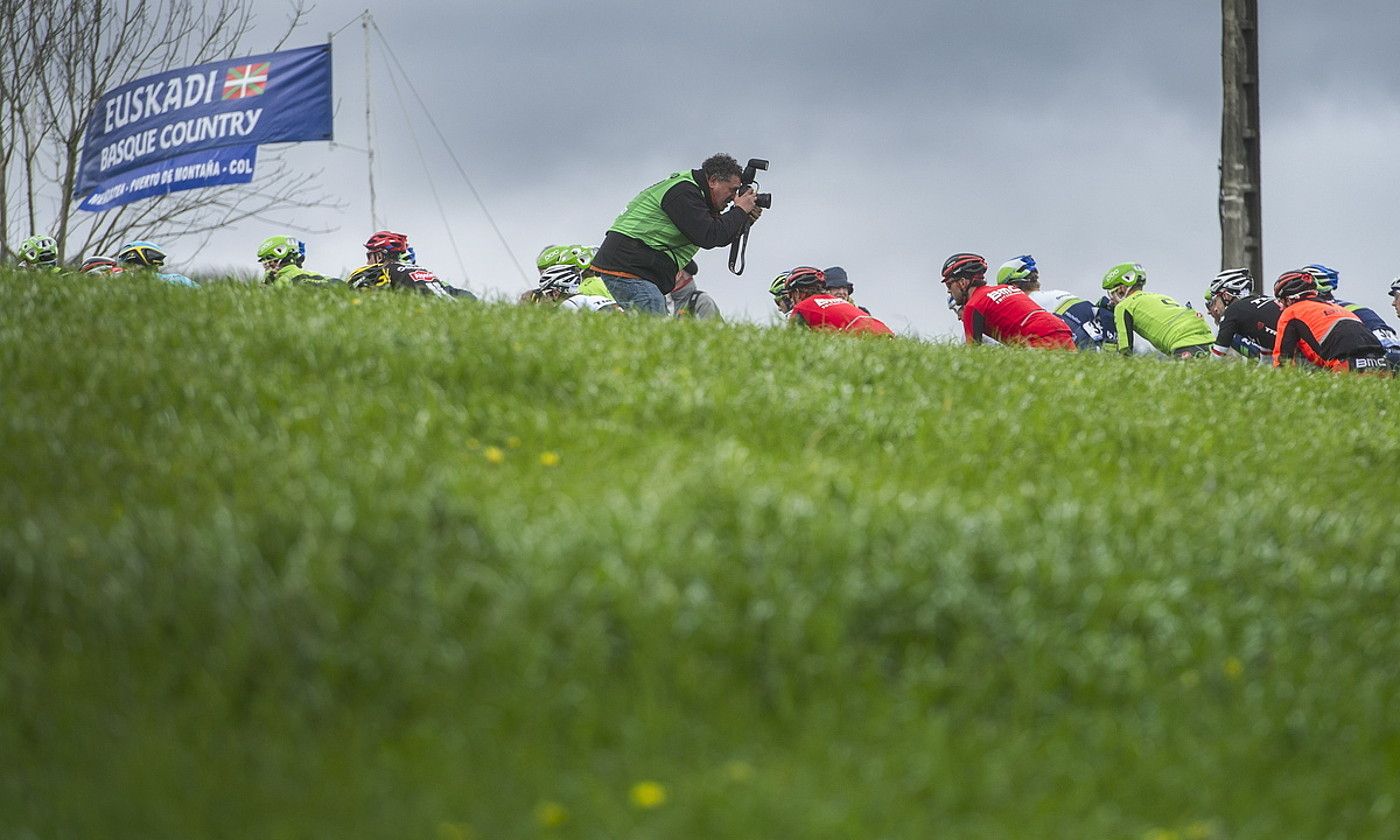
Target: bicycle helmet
[140,253]
[561,280]
[1327,279]
[1295,285]
[283,250]
[964,265]
[578,256]
[805,277]
[1125,274]
[1232,281]
[370,276]
[100,265]
[549,256]
[1022,269]
[1395,287]
[39,250]
[387,242]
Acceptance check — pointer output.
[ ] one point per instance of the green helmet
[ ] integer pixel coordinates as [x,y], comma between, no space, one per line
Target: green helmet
[1022,269]
[578,256]
[285,250]
[39,250]
[1125,274]
[551,255]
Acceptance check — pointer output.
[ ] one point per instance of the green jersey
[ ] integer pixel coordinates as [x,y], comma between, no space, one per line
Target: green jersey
[295,275]
[1168,325]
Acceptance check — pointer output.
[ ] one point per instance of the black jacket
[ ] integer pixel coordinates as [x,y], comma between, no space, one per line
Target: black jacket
[688,207]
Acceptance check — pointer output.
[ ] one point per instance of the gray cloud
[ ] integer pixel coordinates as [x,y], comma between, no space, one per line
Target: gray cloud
[1086,133]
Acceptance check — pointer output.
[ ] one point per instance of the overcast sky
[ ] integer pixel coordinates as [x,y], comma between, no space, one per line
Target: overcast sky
[1084,133]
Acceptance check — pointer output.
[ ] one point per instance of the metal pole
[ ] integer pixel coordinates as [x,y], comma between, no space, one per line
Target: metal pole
[369,134]
[1241,229]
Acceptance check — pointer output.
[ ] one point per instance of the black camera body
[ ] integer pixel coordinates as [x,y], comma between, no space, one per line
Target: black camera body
[755,165]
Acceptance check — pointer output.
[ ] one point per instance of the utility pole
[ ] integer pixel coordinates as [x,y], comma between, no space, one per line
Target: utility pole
[1241,231]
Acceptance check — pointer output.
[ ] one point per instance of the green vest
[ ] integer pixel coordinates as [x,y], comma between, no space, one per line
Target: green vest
[645,220]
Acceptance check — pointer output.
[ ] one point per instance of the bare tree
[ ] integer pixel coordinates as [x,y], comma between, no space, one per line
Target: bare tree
[57,58]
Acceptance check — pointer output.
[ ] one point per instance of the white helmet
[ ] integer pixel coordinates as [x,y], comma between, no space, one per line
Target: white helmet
[1395,287]
[1232,281]
[563,279]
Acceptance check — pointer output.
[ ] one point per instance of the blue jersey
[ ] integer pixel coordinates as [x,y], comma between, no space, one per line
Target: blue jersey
[1375,323]
[1077,313]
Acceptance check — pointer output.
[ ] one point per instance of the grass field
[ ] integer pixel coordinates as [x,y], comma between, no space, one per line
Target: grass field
[304,564]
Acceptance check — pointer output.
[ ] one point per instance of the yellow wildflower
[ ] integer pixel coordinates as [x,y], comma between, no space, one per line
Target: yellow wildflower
[551,814]
[1233,668]
[647,795]
[495,455]
[549,459]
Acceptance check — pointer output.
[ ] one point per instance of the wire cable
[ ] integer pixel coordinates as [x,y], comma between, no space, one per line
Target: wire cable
[460,169]
[432,185]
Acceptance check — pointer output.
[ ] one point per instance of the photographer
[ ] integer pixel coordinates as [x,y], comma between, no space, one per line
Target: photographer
[666,224]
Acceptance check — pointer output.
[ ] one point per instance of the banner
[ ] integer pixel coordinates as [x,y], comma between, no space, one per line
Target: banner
[270,98]
[229,165]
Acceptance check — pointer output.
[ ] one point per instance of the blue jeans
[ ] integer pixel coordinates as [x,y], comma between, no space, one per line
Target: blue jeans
[642,295]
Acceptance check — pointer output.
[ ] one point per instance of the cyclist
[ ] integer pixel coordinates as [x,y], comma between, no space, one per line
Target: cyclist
[39,253]
[148,258]
[282,258]
[1248,323]
[580,256]
[1001,312]
[1327,282]
[1176,330]
[385,268]
[778,289]
[1320,332]
[813,306]
[1077,313]
[560,284]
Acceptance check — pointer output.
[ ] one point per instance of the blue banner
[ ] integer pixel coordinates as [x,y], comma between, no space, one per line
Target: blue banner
[229,165]
[270,98]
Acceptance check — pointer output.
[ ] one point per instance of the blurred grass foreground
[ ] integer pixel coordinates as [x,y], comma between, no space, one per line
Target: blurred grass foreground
[304,564]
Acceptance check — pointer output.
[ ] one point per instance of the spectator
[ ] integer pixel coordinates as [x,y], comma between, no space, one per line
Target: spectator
[688,300]
[666,224]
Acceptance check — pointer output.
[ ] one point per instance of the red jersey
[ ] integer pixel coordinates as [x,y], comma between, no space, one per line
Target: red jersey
[829,312]
[1008,315]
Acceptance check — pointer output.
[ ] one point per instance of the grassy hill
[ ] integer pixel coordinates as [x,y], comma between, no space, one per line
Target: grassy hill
[298,563]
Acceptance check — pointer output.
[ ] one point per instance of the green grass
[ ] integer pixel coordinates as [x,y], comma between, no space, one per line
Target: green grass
[296,563]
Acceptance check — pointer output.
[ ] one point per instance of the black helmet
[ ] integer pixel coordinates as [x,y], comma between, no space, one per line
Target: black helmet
[1293,285]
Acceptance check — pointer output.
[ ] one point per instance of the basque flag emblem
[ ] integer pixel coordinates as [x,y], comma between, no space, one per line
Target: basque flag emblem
[246,80]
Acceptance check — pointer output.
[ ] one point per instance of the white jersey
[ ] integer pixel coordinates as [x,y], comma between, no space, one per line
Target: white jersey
[590,303]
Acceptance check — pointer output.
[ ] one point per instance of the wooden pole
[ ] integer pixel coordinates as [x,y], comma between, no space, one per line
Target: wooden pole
[1241,231]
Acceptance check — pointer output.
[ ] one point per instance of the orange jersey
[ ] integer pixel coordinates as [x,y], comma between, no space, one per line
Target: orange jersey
[1327,335]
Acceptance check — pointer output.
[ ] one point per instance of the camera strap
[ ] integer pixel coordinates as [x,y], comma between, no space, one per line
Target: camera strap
[738,250]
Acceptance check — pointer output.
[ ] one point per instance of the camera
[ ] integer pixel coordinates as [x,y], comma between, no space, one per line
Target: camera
[755,165]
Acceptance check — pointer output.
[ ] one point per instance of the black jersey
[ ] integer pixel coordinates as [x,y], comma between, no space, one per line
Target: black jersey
[1252,322]
[399,275]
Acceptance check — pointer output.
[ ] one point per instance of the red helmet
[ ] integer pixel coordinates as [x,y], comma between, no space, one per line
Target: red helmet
[805,277]
[964,265]
[387,242]
[1292,285]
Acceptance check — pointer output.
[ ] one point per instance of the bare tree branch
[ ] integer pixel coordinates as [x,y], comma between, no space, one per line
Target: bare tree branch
[57,58]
